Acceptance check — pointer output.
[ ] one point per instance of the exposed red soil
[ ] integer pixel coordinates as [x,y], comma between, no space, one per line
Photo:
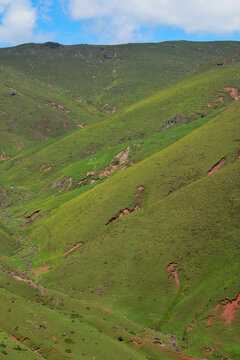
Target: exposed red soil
[73,248]
[124,212]
[169,193]
[137,343]
[238,157]
[26,340]
[82,180]
[58,107]
[234,92]
[47,169]
[127,211]
[82,125]
[14,337]
[140,342]
[121,157]
[64,125]
[209,351]
[217,166]
[19,271]
[228,313]
[230,309]
[107,311]
[209,320]
[41,270]
[92,172]
[38,353]
[173,274]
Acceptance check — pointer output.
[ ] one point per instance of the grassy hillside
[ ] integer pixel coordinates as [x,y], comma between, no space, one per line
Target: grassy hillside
[31,112]
[114,75]
[120,223]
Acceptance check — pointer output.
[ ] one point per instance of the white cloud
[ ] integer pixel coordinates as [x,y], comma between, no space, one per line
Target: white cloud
[18,22]
[123,18]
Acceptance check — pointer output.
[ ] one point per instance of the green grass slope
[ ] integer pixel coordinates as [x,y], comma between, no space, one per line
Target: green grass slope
[57,170]
[38,322]
[31,111]
[113,76]
[186,228]
[120,240]
[194,97]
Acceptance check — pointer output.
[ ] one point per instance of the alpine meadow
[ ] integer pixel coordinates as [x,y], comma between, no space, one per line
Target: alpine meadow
[120,201]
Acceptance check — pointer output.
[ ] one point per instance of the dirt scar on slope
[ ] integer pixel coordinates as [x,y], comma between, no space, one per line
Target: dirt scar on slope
[173,274]
[234,92]
[230,309]
[139,342]
[217,166]
[73,248]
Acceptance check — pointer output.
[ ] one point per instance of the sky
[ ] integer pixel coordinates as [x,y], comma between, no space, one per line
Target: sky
[117,21]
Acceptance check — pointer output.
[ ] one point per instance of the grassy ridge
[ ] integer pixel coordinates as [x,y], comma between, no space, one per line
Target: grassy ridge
[194,156]
[114,75]
[140,120]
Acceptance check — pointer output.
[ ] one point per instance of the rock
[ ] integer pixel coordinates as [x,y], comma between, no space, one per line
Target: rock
[57,184]
[108,56]
[53,45]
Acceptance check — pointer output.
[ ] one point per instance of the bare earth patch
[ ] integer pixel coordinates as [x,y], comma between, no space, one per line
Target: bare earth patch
[217,166]
[73,248]
[230,309]
[234,92]
[173,274]
[41,270]
[128,211]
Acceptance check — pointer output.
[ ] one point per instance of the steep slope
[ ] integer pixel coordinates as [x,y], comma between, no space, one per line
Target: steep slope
[85,158]
[125,263]
[120,240]
[31,111]
[194,97]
